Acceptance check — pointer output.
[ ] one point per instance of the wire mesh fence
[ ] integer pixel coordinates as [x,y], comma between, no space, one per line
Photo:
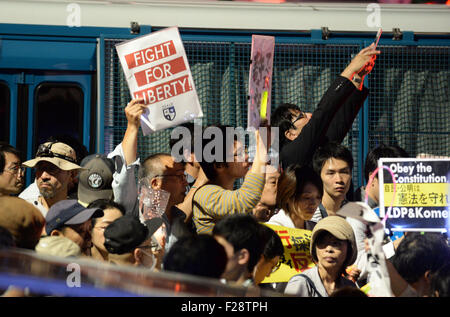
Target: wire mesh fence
[408,103]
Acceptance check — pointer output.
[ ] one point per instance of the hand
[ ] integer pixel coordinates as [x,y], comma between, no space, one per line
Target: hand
[353,273]
[367,68]
[262,212]
[133,112]
[362,64]
[261,147]
[260,159]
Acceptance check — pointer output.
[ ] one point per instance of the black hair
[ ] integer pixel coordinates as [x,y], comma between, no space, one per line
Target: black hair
[242,232]
[419,253]
[80,150]
[7,148]
[106,204]
[272,243]
[191,127]
[331,150]
[440,281]
[220,155]
[199,255]
[282,118]
[380,151]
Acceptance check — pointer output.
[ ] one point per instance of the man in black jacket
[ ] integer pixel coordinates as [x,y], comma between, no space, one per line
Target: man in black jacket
[302,133]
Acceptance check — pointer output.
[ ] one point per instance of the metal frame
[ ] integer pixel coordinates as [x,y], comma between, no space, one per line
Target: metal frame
[317,36]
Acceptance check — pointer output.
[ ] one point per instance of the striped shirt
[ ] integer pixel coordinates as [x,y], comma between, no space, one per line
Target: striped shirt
[212,202]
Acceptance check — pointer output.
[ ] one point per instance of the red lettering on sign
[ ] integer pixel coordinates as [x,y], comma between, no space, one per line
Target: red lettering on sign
[160,71]
[164,91]
[287,238]
[150,54]
[300,261]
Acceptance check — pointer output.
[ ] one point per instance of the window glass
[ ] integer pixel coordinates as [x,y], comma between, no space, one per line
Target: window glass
[58,111]
[5,101]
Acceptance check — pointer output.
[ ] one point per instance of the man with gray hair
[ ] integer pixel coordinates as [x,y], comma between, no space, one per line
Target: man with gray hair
[161,172]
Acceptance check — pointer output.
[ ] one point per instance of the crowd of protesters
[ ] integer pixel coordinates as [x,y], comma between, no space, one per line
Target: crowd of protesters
[82,205]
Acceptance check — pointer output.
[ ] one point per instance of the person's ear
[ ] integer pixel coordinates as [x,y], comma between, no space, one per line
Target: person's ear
[56,233]
[374,180]
[243,257]
[290,135]
[428,276]
[188,156]
[137,255]
[74,176]
[156,182]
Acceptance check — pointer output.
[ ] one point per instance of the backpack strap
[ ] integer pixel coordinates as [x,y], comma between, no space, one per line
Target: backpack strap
[311,284]
[323,211]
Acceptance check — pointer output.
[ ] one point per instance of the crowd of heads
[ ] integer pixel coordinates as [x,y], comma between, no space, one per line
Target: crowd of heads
[71,211]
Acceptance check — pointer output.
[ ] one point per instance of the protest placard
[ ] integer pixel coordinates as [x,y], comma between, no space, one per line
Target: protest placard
[421,201]
[296,258]
[157,71]
[260,80]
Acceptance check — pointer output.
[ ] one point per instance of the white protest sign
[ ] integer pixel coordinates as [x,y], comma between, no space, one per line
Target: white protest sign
[157,71]
[380,285]
[421,201]
[360,211]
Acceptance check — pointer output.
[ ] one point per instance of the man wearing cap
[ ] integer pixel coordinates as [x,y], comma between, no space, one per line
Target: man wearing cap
[56,170]
[130,242]
[96,178]
[71,220]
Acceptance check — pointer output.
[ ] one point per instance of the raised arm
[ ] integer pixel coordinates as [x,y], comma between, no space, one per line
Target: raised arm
[345,116]
[301,150]
[133,112]
[125,159]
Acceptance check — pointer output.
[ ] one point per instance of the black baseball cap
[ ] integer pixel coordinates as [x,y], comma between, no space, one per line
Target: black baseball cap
[126,233]
[95,180]
[69,212]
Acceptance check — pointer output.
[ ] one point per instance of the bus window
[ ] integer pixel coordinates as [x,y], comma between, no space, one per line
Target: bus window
[58,111]
[5,101]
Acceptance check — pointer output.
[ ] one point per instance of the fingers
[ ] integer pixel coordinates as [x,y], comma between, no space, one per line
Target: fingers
[369,51]
[134,109]
[135,102]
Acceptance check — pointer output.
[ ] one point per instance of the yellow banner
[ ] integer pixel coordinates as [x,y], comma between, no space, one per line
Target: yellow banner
[296,258]
[417,195]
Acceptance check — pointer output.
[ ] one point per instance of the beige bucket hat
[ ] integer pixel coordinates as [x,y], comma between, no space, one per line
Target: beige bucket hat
[341,229]
[57,153]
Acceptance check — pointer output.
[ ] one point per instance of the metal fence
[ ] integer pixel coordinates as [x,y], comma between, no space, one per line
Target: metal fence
[408,104]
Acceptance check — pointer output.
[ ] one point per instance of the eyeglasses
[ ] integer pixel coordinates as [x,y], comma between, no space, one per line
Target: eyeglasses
[15,169]
[276,267]
[300,116]
[44,150]
[181,177]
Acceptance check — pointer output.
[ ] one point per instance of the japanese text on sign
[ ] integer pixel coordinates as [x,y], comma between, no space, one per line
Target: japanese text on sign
[296,257]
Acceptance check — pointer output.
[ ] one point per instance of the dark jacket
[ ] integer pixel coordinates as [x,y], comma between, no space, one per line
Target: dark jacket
[331,121]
